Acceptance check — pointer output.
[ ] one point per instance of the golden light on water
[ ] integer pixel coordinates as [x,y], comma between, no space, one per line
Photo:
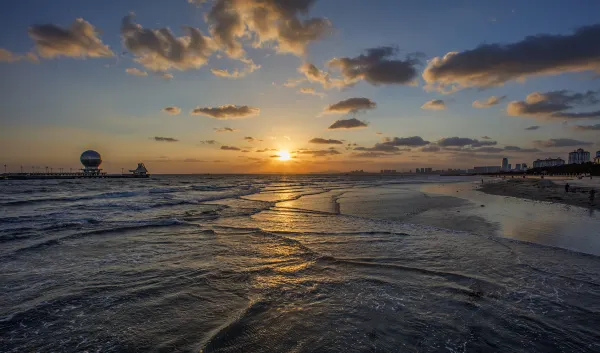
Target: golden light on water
[284,155]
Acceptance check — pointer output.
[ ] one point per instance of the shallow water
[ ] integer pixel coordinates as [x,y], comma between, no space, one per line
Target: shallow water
[293,263]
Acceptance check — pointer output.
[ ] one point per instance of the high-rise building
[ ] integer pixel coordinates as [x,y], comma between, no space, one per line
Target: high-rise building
[548,162]
[518,167]
[579,156]
[597,153]
[505,164]
[509,166]
[486,169]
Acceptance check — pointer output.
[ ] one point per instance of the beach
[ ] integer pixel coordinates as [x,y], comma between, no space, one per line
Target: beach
[547,190]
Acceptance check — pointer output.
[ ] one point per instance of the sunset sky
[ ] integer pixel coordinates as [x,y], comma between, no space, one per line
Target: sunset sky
[233,86]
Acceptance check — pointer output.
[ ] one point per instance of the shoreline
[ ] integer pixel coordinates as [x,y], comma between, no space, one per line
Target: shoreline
[543,190]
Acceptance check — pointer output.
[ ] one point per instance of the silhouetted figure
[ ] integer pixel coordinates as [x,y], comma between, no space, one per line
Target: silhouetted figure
[482,181]
[567,187]
[592,195]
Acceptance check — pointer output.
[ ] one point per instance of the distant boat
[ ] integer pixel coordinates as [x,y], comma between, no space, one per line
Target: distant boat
[140,171]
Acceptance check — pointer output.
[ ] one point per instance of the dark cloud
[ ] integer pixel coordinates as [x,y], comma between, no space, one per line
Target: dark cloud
[319,153]
[79,41]
[430,148]
[245,151]
[434,104]
[370,155]
[554,105]
[165,139]
[160,50]
[348,124]
[487,150]
[490,102]
[267,150]
[494,64]
[378,66]
[561,142]
[325,141]
[172,110]
[209,142]
[276,21]
[249,139]
[351,105]
[225,129]
[379,147]
[534,127]
[519,149]
[587,127]
[413,141]
[464,141]
[230,148]
[229,111]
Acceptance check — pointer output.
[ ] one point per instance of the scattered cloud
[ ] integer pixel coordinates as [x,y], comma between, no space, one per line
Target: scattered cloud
[7,56]
[235,73]
[534,127]
[311,91]
[230,148]
[519,149]
[165,139]
[378,66]
[319,153]
[229,111]
[370,155]
[351,105]
[209,142]
[193,160]
[488,103]
[494,64]
[554,105]
[464,141]
[561,142]
[266,21]
[314,75]
[172,110]
[348,124]
[379,147]
[413,141]
[249,139]
[323,141]
[430,148]
[78,41]
[136,72]
[434,104]
[267,150]
[486,137]
[595,127]
[487,150]
[225,129]
[160,50]
[166,76]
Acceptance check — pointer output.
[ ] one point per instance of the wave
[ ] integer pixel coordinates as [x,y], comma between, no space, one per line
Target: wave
[107,195]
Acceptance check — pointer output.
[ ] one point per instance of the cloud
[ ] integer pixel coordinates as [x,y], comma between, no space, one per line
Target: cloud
[553,105]
[249,139]
[434,104]
[229,111]
[464,141]
[486,137]
[348,124]
[266,21]
[225,129]
[587,127]
[193,160]
[323,141]
[319,153]
[519,149]
[370,155]
[488,103]
[413,141]
[488,150]
[160,50]
[209,142]
[430,148]
[172,110]
[78,41]
[311,91]
[351,105]
[248,69]
[166,76]
[494,64]
[267,150]
[379,147]
[314,75]
[561,142]
[136,72]
[377,66]
[230,148]
[7,56]
[165,139]
[534,127]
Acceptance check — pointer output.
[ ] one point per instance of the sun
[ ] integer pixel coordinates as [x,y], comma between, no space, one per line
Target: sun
[284,155]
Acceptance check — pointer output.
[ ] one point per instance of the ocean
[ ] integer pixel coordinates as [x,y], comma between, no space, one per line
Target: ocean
[293,263]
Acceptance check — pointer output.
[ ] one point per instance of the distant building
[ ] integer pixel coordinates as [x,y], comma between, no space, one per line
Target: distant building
[509,167]
[518,167]
[388,171]
[418,170]
[579,156]
[548,162]
[487,169]
[504,163]
[428,170]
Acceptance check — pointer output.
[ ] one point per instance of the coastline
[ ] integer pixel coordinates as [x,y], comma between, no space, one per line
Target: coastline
[544,190]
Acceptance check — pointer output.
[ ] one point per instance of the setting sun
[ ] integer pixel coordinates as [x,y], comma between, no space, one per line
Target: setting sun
[284,155]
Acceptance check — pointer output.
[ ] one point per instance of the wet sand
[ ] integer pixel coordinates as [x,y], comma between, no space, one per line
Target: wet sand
[543,190]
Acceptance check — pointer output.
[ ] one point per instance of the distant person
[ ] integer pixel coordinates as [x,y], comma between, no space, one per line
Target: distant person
[482,181]
[567,187]
[592,195]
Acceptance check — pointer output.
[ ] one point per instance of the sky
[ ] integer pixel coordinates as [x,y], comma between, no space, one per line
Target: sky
[297,86]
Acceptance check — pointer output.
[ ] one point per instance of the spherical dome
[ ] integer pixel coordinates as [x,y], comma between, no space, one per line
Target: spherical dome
[91,159]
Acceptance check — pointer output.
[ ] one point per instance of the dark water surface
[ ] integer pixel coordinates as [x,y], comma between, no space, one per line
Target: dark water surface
[292,264]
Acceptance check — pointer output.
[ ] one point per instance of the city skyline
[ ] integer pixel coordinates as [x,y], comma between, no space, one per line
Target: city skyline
[307,88]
